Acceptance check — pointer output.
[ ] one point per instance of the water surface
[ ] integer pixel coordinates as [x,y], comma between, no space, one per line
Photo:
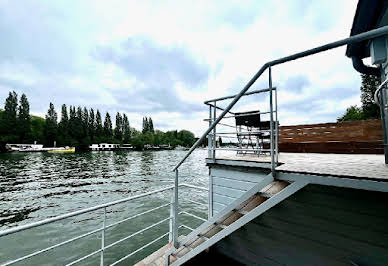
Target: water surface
[35,186]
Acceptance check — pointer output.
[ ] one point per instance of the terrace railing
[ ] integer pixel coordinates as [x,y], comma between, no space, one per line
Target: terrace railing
[214,120]
[169,220]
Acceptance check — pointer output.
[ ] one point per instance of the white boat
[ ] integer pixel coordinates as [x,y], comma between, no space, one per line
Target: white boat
[126,147]
[24,147]
[104,147]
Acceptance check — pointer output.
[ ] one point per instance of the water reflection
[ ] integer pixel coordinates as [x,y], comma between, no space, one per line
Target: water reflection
[146,163]
[40,185]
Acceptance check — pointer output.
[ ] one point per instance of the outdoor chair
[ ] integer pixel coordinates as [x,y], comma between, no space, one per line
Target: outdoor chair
[253,135]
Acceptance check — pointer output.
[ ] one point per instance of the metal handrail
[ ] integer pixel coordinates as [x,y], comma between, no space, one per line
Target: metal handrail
[79,212]
[101,229]
[232,96]
[353,39]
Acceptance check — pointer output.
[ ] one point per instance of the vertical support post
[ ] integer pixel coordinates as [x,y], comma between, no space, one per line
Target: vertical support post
[175,216]
[277,128]
[271,122]
[103,239]
[171,223]
[384,119]
[210,139]
[214,132]
[210,205]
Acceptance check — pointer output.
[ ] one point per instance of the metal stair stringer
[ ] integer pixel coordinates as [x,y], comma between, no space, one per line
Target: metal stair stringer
[227,230]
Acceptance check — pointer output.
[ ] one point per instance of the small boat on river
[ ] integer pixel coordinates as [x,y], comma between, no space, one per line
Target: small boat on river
[62,150]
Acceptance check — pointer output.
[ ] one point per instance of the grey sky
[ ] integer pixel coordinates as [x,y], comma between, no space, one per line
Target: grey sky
[164,58]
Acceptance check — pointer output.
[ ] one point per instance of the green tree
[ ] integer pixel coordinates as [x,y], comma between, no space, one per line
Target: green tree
[145,125]
[126,129]
[85,122]
[352,113]
[63,127]
[99,128]
[186,137]
[150,125]
[92,124]
[369,109]
[8,123]
[79,127]
[119,127]
[51,125]
[369,85]
[72,122]
[108,132]
[24,121]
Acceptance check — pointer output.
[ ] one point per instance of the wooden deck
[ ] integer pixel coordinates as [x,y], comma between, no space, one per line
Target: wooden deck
[365,166]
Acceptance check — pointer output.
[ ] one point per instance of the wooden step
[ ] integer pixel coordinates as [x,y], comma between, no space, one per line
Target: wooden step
[231,217]
[158,257]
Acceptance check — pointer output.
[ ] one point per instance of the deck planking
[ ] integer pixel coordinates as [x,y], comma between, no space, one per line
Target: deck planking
[365,166]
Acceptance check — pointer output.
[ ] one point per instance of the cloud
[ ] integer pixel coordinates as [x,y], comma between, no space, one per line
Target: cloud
[157,71]
[150,62]
[163,59]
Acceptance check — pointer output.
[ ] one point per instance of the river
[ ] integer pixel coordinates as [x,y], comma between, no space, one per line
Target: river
[36,186]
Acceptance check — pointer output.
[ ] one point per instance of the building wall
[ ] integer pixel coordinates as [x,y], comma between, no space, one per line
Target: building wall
[319,225]
[229,183]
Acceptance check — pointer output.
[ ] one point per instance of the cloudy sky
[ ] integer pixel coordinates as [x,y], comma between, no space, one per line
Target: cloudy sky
[165,58]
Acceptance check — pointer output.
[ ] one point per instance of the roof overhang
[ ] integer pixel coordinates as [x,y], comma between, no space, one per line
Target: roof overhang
[369,14]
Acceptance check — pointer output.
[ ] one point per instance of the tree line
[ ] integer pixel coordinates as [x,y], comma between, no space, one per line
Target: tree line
[79,127]
[369,109]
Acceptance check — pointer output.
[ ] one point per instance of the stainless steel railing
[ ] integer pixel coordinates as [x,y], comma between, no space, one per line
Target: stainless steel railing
[214,120]
[104,227]
[244,136]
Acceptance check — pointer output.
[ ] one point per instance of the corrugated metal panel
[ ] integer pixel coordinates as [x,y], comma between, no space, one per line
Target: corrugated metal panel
[319,225]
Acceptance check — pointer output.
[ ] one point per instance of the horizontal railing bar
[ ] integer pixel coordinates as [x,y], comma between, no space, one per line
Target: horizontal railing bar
[193,215]
[185,226]
[195,187]
[196,202]
[234,116]
[83,235]
[255,113]
[136,233]
[226,125]
[219,108]
[137,215]
[232,96]
[245,132]
[84,257]
[352,39]
[75,213]
[241,149]
[52,247]
[134,252]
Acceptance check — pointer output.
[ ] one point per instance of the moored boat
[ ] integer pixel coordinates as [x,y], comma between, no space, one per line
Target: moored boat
[62,150]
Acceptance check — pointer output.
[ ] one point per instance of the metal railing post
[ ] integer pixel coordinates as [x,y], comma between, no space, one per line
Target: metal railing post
[277,128]
[171,222]
[271,121]
[176,211]
[214,132]
[209,139]
[210,205]
[103,239]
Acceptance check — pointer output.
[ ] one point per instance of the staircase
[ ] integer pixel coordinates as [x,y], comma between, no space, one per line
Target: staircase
[253,203]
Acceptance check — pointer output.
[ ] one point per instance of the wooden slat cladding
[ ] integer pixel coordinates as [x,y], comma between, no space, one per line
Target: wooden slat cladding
[343,137]
[319,225]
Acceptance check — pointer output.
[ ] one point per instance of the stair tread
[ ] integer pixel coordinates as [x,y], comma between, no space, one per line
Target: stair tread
[231,217]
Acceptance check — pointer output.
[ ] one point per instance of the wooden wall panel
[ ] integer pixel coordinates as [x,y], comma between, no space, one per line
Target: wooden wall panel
[344,137]
[318,225]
